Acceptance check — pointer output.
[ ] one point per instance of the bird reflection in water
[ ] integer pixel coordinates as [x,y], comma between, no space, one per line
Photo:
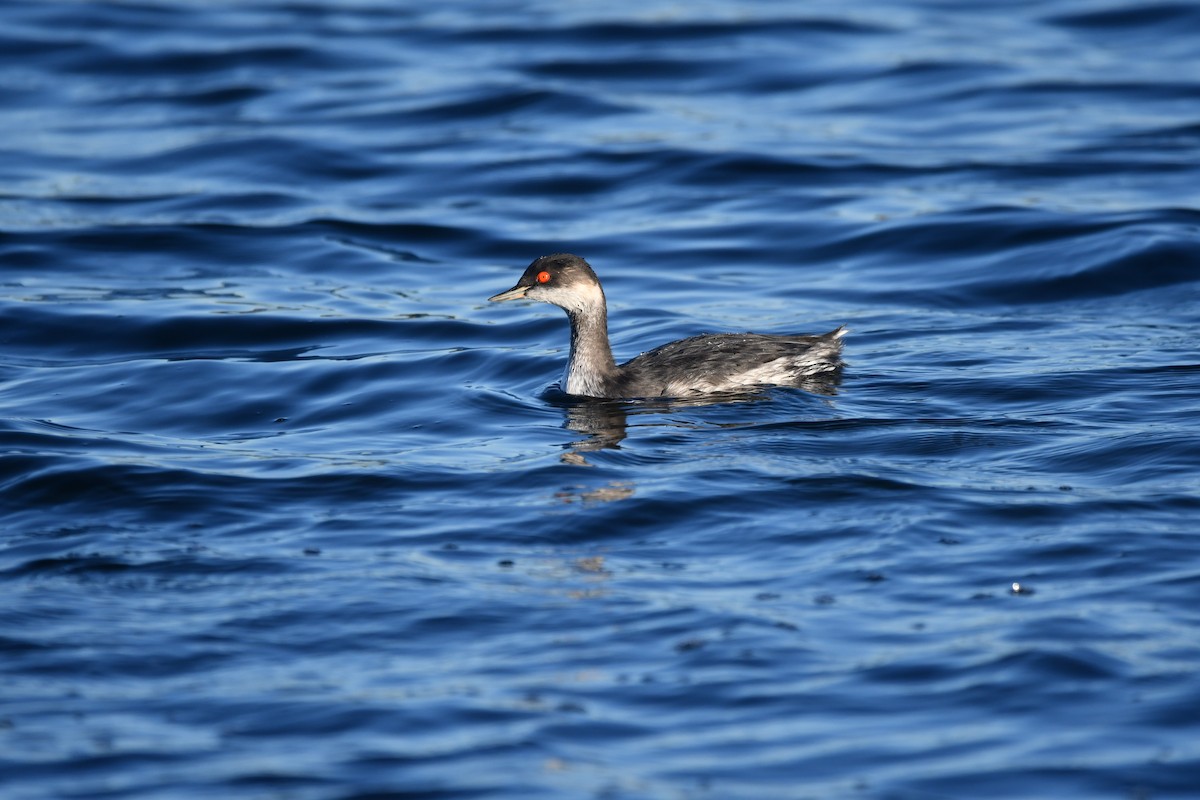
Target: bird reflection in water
[604,423]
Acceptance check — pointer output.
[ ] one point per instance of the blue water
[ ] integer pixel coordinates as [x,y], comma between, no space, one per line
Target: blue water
[290,512]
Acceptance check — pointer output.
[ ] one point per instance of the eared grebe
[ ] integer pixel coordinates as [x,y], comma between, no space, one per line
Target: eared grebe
[721,362]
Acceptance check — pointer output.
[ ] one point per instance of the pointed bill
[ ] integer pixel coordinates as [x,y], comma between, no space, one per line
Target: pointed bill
[515,293]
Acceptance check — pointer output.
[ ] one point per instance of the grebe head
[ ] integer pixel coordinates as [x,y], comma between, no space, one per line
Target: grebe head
[561,279]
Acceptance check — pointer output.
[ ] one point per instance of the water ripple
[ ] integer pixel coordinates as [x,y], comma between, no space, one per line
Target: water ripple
[289,509]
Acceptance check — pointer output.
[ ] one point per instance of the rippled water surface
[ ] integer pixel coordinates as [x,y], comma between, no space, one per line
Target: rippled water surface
[289,511]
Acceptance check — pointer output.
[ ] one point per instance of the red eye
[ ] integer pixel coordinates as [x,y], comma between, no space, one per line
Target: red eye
[543,277]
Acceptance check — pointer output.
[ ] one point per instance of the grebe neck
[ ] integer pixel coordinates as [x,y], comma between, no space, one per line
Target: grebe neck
[591,366]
